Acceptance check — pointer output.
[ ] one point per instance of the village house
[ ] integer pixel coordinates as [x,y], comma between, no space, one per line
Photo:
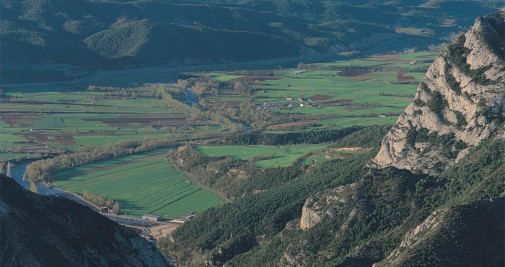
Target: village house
[150,217]
[298,71]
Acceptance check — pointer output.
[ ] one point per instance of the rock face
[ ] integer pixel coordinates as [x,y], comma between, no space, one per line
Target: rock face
[448,237]
[52,231]
[324,203]
[459,103]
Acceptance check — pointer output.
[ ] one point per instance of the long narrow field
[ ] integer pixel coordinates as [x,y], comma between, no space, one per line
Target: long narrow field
[147,185]
[276,156]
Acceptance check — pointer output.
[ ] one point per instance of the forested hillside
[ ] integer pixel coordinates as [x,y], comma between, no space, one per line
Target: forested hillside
[52,40]
[343,213]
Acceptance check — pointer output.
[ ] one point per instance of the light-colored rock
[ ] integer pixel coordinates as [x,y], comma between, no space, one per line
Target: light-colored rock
[474,101]
[318,205]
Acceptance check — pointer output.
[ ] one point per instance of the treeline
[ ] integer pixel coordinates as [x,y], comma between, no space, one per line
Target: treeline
[219,234]
[149,91]
[101,201]
[232,177]
[42,170]
[289,138]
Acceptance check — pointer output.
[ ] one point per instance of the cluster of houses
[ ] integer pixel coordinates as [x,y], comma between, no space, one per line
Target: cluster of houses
[304,102]
[107,210]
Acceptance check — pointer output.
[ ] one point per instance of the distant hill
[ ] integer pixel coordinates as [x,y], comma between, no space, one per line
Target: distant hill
[53,231]
[53,40]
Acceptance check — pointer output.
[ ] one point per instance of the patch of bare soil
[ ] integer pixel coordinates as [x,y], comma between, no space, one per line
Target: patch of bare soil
[162,230]
[400,77]
[321,97]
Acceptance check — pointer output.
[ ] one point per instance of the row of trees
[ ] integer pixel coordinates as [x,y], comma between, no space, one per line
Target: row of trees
[234,178]
[101,201]
[42,170]
[147,91]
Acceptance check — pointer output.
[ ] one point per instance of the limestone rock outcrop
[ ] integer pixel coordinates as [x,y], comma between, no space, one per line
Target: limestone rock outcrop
[324,203]
[459,103]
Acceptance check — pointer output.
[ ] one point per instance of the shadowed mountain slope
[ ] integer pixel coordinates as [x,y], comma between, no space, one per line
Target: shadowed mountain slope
[53,231]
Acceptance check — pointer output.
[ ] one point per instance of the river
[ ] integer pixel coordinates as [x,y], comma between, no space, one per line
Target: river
[191,99]
[17,174]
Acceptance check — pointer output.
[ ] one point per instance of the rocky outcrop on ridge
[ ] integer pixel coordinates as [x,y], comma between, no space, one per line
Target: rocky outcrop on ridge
[459,103]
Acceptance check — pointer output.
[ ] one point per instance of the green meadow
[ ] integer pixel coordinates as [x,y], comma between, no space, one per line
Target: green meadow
[150,186]
[282,155]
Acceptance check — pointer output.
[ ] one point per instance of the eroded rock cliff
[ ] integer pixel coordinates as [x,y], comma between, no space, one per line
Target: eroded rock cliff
[458,104]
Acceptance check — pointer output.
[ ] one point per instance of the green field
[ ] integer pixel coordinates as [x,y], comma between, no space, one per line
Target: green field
[361,91]
[283,155]
[145,186]
[54,119]
[43,120]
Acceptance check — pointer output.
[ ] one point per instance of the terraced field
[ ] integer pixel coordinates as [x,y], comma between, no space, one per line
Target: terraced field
[142,184]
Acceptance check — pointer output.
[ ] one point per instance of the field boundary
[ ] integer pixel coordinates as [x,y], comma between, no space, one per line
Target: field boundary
[193,181]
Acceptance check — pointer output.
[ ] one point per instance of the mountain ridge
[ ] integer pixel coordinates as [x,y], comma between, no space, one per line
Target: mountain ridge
[54,231]
[458,104]
[53,40]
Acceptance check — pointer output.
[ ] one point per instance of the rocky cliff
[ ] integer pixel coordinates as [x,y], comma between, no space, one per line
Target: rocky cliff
[53,231]
[458,104]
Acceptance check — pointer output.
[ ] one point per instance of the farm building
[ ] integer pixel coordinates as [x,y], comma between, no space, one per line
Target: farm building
[299,71]
[150,217]
[183,219]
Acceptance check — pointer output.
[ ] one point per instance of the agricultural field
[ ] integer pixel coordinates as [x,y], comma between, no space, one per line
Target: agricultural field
[268,156]
[142,184]
[41,121]
[53,120]
[361,91]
